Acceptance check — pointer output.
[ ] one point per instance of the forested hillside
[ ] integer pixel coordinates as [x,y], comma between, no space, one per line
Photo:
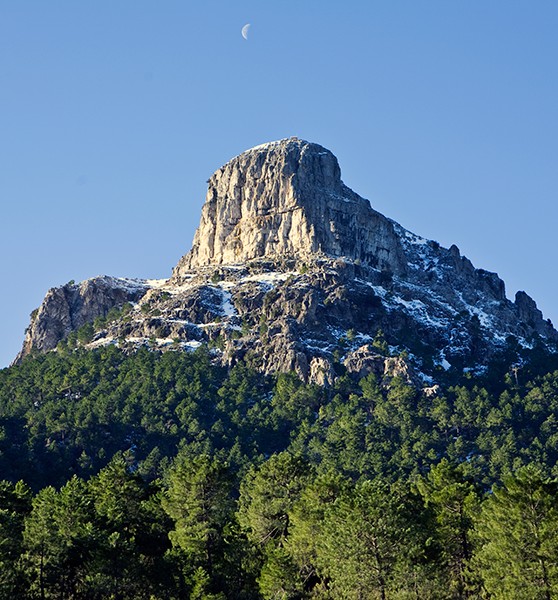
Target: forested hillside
[149,475]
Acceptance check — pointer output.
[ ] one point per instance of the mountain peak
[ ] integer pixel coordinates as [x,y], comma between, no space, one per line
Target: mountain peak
[286,199]
[294,271]
[291,143]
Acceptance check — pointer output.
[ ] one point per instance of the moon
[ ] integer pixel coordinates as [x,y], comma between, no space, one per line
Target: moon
[245,31]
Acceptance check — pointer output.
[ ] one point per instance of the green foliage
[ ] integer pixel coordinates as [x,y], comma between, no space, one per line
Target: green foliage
[58,540]
[85,333]
[380,344]
[371,543]
[306,520]
[164,476]
[517,554]
[15,506]
[267,494]
[133,530]
[454,503]
[279,576]
[198,499]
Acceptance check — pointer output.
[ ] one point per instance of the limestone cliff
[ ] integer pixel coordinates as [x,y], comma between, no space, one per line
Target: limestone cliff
[286,199]
[291,270]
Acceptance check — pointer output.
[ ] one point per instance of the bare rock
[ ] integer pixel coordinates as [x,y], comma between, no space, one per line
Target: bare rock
[366,360]
[321,372]
[286,198]
[431,391]
[69,307]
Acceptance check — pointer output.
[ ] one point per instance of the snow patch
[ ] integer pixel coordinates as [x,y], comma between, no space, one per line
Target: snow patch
[156,283]
[193,344]
[101,342]
[227,307]
[267,145]
[270,278]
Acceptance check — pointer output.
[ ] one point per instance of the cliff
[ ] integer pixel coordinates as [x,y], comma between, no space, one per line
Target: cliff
[292,270]
[286,199]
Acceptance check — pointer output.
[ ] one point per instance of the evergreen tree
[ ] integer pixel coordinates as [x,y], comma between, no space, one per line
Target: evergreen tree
[267,494]
[454,502]
[15,505]
[131,539]
[59,538]
[198,499]
[373,545]
[517,553]
[306,528]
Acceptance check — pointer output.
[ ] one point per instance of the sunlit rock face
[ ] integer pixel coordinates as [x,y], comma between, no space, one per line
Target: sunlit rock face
[286,199]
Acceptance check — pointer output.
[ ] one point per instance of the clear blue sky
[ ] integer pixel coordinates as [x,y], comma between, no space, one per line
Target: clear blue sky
[113,114]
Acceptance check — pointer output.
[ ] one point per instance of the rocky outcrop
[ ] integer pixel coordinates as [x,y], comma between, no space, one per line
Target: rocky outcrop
[69,307]
[290,270]
[527,312]
[286,199]
[366,360]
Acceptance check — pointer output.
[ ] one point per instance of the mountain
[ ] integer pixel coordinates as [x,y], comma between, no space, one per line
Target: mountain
[290,270]
[159,472]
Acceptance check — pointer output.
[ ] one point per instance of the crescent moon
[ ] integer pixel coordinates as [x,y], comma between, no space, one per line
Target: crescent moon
[245,31]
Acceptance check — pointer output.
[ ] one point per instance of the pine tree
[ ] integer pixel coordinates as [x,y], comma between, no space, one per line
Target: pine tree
[517,533]
[306,526]
[59,539]
[267,495]
[373,545]
[198,499]
[15,505]
[454,503]
[128,557]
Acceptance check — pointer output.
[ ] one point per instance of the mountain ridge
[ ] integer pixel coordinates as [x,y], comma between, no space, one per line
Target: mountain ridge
[293,271]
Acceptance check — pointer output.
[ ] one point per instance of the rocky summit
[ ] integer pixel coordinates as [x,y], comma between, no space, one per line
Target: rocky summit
[286,199]
[292,270]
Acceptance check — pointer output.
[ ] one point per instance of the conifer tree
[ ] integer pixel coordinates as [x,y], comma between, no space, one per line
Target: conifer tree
[15,505]
[454,502]
[198,499]
[59,539]
[517,533]
[374,546]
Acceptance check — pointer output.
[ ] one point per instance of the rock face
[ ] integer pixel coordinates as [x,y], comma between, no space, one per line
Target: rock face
[290,270]
[286,199]
[69,307]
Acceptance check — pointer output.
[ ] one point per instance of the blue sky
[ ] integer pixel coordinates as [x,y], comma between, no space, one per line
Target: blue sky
[114,114]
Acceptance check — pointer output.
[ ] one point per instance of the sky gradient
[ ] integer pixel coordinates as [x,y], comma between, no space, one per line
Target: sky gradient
[114,114]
